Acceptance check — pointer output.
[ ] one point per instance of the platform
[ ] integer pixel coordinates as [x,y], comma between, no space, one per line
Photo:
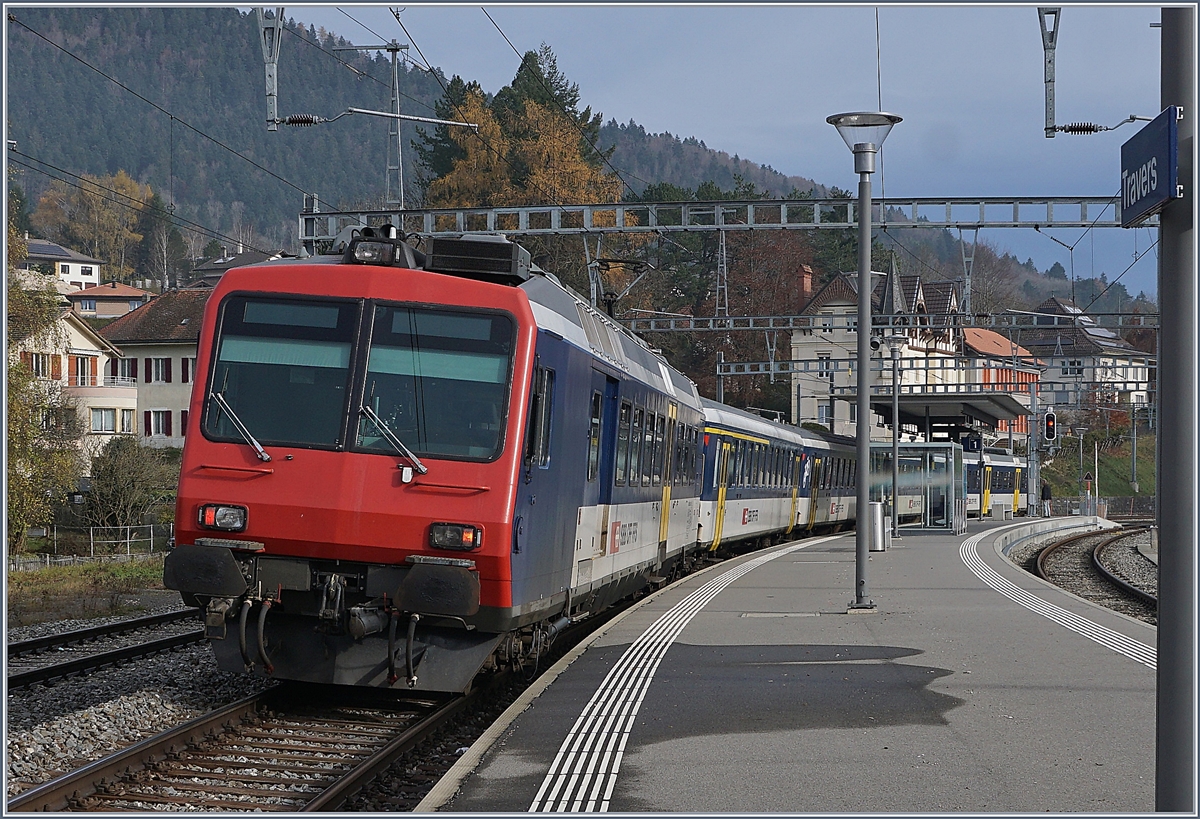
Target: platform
[972,686]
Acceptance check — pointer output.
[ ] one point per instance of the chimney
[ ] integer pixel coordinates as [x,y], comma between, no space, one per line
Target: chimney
[806,286]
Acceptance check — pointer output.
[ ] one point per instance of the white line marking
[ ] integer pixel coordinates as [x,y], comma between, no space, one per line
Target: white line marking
[1131,648]
[584,771]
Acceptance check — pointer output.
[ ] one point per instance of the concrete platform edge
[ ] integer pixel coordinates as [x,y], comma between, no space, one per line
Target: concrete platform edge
[448,785]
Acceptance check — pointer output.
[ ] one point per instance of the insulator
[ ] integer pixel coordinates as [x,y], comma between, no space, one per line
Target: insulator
[1081,128]
[301,120]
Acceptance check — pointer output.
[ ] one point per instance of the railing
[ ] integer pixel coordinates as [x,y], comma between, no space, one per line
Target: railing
[89,380]
[68,545]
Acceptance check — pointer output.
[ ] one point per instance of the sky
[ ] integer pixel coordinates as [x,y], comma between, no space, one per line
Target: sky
[758,81]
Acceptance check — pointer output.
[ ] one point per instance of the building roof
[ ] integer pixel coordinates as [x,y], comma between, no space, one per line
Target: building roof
[173,317]
[110,290]
[993,345]
[43,250]
[1080,337]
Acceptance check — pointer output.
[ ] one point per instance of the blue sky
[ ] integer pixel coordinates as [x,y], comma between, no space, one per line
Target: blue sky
[759,81]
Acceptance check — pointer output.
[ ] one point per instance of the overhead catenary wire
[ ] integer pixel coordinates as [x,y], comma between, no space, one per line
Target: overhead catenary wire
[550,197]
[118,198]
[13,19]
[566,113]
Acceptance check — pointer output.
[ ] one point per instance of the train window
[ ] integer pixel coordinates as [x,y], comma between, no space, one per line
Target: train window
[439,380]
[593,461]
[660,428]
[648,450]
[623,422]
[635,447]
[680,438]
[274,353]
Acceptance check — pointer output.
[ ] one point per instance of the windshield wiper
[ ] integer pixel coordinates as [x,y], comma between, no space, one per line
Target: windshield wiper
[392,438]
[239,426]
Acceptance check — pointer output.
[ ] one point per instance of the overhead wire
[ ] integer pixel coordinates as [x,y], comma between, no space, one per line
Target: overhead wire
[116,197]
[13,19]
[566,113]
[475,133]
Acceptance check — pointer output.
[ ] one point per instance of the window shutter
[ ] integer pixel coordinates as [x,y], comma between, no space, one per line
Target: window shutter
[167,371]
[72,369]
[167,422]
[27,360]
[149,369]
[183,416]
[185,370]
[95,366]
[56,367]
[149,428]
[112,367]
[133,368]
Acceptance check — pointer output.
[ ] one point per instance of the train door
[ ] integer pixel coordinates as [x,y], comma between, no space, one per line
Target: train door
[1016,491]
[602,433]
[668,466]
[722,479]
[985,492]
[814,492]
[794,474]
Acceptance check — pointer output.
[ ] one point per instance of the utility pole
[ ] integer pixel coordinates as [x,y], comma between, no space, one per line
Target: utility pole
[1175,770]
[393,183]
[271,31]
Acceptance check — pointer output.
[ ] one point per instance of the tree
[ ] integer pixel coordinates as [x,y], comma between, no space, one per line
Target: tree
[1057,271]
[128,482]
[98,217]
[44,460]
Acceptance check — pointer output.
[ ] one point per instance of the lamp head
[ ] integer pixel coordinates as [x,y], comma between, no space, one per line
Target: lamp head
[863,130]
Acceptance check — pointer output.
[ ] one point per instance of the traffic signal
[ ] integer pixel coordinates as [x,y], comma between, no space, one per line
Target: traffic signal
[1051,428]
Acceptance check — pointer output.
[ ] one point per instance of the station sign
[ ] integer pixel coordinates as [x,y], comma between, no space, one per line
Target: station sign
[1150,168]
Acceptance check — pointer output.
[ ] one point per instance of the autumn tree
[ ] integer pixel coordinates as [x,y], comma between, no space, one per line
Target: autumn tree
[43,456]
[98,217]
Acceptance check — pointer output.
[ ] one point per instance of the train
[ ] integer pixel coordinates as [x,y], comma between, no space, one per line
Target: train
[402,468]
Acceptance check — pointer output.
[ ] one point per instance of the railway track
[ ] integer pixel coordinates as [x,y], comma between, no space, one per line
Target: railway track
[293,748]
[1082,565]
[84,650]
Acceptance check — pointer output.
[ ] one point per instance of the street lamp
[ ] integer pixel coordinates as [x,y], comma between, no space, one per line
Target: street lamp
[864,133]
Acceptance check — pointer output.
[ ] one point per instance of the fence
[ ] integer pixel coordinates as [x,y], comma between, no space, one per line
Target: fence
[1130,506]
[68,545]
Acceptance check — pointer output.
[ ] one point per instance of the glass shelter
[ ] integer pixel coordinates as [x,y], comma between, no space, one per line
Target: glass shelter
[932,485]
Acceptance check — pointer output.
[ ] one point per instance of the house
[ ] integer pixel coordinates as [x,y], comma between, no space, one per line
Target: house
[159,342]
[209,271]
[77,359]
[72,268]
[1086,363]
[107,301]
[999,364]
[832,344]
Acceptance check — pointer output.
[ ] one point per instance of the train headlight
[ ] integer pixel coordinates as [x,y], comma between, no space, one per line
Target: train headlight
[458,536]
[373,252]
[225,518]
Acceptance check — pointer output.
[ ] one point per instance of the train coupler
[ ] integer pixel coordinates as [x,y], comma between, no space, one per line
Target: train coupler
[214,618]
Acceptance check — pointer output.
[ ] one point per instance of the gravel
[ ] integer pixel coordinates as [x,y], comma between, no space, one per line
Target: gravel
[52,729]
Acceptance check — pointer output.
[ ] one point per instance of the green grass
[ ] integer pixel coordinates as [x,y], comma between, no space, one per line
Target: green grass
[79,591]
[1063,471]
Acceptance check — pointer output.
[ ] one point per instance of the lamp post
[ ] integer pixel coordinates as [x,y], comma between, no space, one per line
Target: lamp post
[895,342]
[1079,431]
[864,133]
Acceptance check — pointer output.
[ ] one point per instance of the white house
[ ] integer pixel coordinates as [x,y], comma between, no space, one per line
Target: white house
[159,342]
[71,267]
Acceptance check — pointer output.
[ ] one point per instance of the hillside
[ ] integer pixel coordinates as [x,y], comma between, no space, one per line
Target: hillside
[193,101]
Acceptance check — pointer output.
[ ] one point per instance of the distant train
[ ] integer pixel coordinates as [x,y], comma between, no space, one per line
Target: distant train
[402,468]
[1001,478]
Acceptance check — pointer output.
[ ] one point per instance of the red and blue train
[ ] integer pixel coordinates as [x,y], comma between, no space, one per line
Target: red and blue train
[402,468]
